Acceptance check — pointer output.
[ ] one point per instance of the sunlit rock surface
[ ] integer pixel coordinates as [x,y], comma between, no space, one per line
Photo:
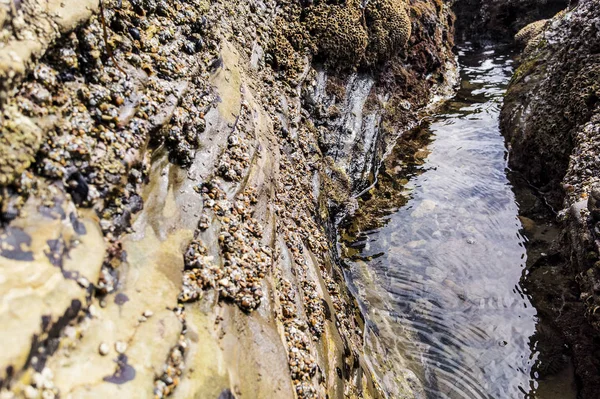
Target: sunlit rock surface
[169,173]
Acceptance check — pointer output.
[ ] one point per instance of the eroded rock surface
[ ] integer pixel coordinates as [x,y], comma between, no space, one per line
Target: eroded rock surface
[169,173]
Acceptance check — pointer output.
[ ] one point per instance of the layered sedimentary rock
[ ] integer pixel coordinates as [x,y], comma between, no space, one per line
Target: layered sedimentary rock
[169,172]
[551,119]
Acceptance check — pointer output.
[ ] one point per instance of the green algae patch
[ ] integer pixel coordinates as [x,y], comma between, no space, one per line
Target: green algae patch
[525,69]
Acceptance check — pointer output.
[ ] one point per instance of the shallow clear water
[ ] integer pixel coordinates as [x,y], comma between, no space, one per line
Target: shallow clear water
[445,257]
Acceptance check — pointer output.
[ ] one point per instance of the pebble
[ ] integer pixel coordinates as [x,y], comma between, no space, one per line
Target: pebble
[148,313]
[30,392]
[94,312]
[103,349]
[120,347]
[82,281]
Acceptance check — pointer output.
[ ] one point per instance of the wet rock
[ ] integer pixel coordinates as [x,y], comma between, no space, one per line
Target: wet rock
[207,180]
[593,202]
[552,120]
[38,281]
[547,140]
[481,20]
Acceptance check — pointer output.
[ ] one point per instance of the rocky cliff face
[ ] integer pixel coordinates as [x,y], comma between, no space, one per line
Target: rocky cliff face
[169,172]
[551,118]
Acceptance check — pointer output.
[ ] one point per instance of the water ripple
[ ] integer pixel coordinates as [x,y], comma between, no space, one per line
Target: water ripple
[447,265]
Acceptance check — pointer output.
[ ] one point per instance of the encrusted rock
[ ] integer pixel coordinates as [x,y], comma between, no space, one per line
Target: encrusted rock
[338,30]
[552,121]
[389,28]
[594,202]
[530,32]
[133,109]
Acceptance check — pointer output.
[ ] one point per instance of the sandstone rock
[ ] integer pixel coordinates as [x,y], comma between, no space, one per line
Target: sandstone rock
[136,135]
[42,254]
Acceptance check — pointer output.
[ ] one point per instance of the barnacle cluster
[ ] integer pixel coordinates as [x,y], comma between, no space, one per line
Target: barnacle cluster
[200,272]
[167,382]
[86,121]
[302,363]
[236,157]
[245,261]
[186,126]
[299,229]
[305,239]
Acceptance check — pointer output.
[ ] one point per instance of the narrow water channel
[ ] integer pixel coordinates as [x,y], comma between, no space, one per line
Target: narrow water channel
[435,252]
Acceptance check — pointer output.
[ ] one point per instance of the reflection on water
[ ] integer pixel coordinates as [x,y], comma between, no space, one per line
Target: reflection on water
[435,252]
